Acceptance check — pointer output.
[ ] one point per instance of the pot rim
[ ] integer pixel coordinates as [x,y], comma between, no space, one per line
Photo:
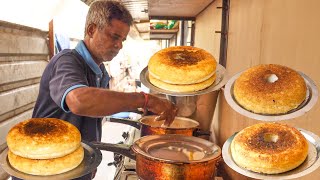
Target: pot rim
[196,123]
[145,144]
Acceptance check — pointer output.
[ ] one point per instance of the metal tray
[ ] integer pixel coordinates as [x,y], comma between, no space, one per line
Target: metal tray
[304,107]
[92,158]
[309,165]
[220,81]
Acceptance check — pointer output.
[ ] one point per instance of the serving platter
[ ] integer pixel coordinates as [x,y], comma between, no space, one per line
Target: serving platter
[304,107]
[311,163]
[220,81]
[91,160]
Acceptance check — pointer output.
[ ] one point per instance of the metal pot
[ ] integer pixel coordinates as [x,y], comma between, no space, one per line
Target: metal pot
[149,126]
[170,157]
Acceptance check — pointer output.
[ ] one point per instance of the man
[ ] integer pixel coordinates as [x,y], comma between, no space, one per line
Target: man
[73,84]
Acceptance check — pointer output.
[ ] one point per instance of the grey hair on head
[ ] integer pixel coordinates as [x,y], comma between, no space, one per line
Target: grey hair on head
[101,12]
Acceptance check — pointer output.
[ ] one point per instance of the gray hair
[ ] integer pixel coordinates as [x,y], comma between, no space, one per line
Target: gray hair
[101,13]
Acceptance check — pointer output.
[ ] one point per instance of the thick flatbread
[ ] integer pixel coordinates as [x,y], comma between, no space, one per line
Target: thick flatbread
[47,166]
[182,87]
[270,89]
[43,138]
[182,65]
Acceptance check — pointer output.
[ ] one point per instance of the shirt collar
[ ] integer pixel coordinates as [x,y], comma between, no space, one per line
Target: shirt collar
[83,51]
[103,78]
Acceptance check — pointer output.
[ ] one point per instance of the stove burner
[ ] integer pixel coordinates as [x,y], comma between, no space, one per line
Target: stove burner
[125,135]
[117,160]
[126,166]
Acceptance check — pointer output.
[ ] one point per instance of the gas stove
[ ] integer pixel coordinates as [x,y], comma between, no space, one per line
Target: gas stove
[126,167]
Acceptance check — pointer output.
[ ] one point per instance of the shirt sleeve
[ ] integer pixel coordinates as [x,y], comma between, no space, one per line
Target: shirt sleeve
[67,74]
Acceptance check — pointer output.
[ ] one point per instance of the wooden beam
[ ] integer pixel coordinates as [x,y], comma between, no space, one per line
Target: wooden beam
[171,18]
[142,21]
[51,39]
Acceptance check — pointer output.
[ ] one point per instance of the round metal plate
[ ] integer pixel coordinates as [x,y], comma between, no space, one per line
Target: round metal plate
[305,106]
[309,165]
[220,81]
[92,159]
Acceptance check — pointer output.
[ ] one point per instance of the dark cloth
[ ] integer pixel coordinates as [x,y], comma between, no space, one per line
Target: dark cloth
[85,177]
[66,70]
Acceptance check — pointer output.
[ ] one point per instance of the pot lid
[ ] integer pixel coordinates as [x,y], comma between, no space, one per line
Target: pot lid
[176,148]
[178,123]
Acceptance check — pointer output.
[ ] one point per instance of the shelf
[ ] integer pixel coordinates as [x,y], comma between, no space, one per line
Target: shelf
[164,31]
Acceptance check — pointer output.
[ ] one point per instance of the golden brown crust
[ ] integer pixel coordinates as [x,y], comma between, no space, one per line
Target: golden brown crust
[182,65]
[43,138]
[253,149]
[182,87]
[253,91]
[47,166]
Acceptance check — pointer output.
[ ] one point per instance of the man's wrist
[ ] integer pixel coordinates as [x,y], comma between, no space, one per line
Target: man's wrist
[146,100]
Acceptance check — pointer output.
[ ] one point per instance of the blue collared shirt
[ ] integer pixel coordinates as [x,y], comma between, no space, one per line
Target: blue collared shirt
[66,71]
[102,76]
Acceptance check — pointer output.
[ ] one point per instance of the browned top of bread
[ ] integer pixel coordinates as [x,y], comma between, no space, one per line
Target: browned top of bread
[269,148]
[42,138]
[182,65]
[255,91]
[258,138]
[182,56]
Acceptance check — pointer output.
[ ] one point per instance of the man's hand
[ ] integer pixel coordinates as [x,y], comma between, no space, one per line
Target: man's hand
[166,110]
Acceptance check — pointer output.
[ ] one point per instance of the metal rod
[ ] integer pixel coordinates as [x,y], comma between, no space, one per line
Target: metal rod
[182,33]
[192,33]
[224,31]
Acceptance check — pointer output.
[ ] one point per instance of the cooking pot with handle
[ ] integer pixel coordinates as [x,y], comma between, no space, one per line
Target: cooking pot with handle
[149,126]
[170,157]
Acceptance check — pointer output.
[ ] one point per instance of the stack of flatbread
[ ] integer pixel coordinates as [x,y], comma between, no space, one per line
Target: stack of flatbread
[44,146]
[182,69]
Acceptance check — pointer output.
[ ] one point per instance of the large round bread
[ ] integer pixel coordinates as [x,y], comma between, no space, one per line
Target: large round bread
[270,89]
[269,148]
[182,87]
[182,65]
[43,138]
[47,166]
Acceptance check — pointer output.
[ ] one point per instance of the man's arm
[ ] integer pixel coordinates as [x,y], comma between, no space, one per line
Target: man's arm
[96,102]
